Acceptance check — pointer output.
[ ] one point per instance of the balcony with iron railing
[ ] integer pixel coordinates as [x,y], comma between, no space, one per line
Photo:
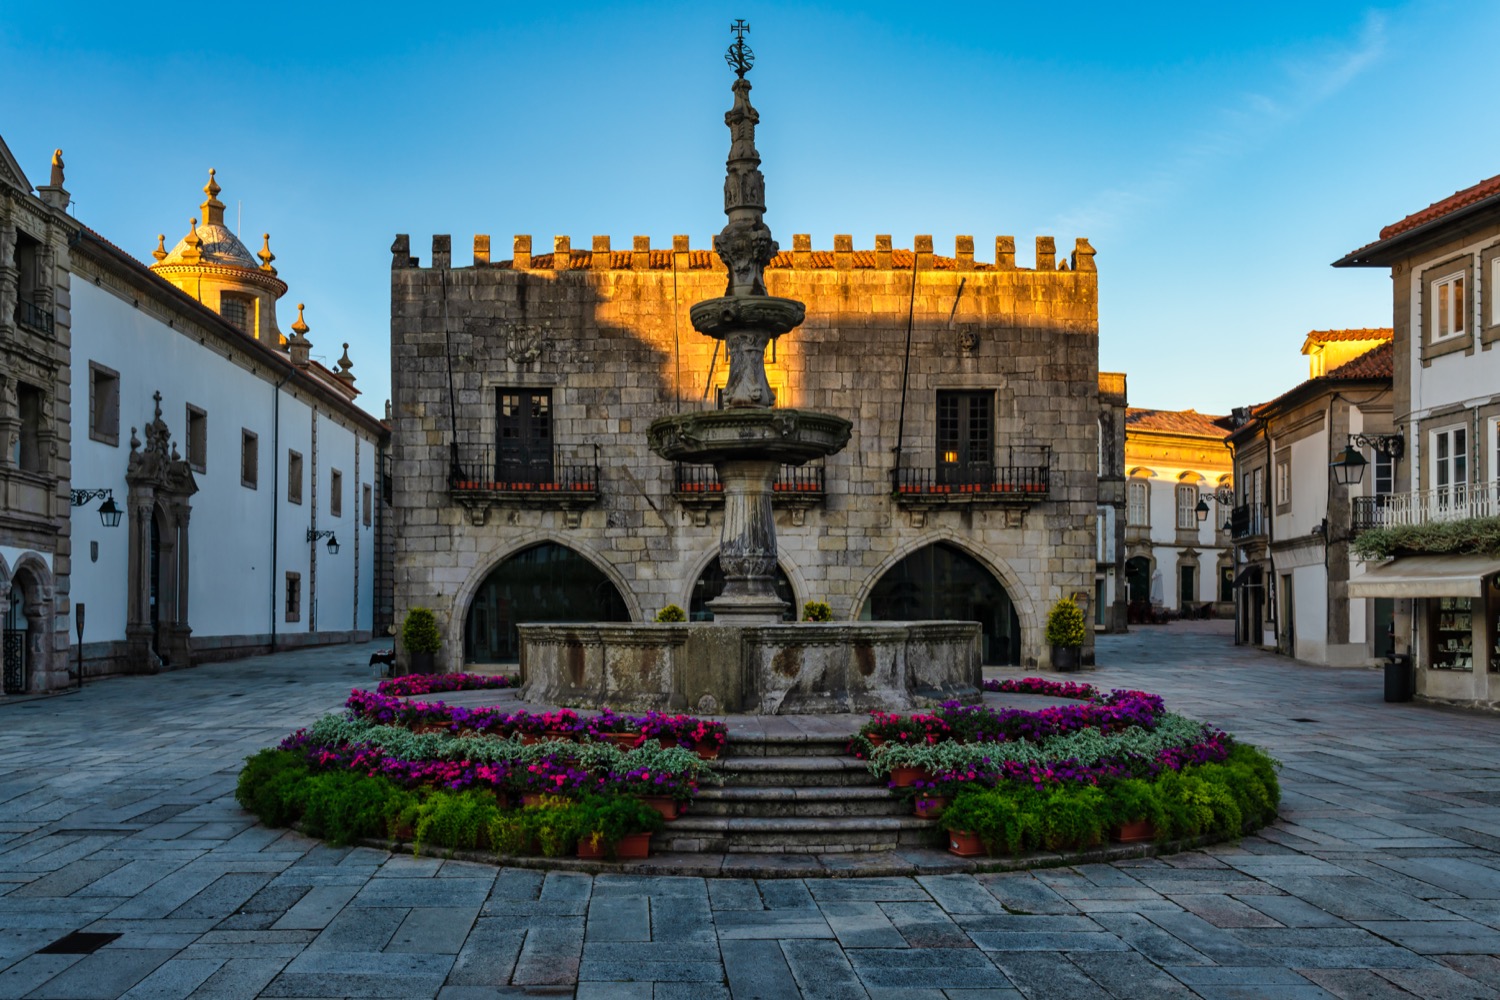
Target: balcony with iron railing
[795,486]
[974,484]
[1444,503]
[33,317]
[479,478]
[1249,520]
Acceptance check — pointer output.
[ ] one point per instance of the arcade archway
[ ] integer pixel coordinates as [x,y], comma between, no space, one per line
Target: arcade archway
[544,583]
[941,581]
[710,584]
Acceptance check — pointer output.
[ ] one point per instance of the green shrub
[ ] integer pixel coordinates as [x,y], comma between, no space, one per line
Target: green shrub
[270,786]
[420,633]
[1222,800]
[607,818]
[342,806]
[455,819]
[817,611]
[1065,624]
[1471,536]
[671,613]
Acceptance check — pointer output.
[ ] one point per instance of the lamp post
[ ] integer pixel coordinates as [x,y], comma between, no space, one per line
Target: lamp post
[1223,496]
[109,514]
[333,540]
[1348,466]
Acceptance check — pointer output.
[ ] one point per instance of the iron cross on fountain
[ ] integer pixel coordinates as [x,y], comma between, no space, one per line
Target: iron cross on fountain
[739,55]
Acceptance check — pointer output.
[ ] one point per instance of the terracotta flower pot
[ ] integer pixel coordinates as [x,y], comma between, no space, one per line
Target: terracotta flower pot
[625,741]
[710,752]
[530,799]
[905,777]
[931,806]
[876,741]
[1136,830]
[560,735]
[664,804]
[632,847]
[965,844]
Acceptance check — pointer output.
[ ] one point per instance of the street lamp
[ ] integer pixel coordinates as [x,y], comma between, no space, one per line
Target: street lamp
[109,514]
[1348,466]
[333,540]
[1222,495]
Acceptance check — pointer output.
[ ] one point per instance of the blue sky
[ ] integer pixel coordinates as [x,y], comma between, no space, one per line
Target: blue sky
[1217,161]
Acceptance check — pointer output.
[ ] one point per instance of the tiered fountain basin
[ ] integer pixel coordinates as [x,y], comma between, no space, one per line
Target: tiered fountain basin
[788,669]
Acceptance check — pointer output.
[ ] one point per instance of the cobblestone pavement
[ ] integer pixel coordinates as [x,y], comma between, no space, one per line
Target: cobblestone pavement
[116,817]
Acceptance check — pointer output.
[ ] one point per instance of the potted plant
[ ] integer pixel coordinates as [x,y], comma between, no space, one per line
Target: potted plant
[614,826]
[1065,634]
[817,611]
[420,636]
[671,613]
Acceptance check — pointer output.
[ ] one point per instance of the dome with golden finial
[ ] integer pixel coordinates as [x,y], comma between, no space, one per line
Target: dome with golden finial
[216,243]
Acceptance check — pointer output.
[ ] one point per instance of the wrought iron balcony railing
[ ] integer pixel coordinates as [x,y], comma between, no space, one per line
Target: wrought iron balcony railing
[978,482]
[1445,503]
[794,484]
[478,473]
[1250,520]
[33,316]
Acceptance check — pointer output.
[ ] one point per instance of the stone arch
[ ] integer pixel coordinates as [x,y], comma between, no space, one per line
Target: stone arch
[705,559]
[1021,602]
[1140,567]
[33,579]
[463,600]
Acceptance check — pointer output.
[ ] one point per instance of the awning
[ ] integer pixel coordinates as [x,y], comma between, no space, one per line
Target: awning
[1250,576]
[1426,576]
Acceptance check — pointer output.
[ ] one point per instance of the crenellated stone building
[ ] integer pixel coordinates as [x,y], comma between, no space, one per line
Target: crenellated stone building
[524,490]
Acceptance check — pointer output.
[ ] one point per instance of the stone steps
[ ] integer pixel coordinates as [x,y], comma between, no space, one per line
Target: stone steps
[790,745]
[787,801]
[794,771]
[793,835]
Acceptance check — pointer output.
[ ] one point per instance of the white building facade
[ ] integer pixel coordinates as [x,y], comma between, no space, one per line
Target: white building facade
[1177,557]
[1444,261]
[203,489]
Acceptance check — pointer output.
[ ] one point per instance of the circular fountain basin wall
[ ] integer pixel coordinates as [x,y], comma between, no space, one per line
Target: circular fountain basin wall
[784,669]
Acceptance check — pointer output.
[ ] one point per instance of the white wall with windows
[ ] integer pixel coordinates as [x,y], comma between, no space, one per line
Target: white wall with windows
[1161,509]
[237,429]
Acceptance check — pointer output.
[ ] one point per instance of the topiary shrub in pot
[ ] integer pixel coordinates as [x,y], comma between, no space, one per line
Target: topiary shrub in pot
[420,636]
[817,611]
[1065,633]
[671,613]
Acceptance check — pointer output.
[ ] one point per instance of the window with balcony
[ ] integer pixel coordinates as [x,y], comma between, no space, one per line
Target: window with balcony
[1138,504]
[965,437]
[523,432]
[31,280]
[1187,507]
[1384,480]
[1450,466]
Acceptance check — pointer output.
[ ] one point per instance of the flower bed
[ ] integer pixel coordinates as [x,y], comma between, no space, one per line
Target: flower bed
[1014,776]
[412,685]
[463,787]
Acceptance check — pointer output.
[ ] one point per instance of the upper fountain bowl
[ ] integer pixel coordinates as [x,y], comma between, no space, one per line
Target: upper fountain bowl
[722,316]
[753,432]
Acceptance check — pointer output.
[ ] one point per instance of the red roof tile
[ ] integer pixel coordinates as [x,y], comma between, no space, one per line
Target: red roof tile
[1362,333]
[1173,422]
[703,260]
[1438,209]
[1375,363]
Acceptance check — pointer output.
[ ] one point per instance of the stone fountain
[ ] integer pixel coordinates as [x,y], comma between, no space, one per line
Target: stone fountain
[748,660]
[750,438]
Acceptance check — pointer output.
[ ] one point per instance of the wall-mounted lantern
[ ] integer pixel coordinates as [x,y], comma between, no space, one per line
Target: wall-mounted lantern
[109,514]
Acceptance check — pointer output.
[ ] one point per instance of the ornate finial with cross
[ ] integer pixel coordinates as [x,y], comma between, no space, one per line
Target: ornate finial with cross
[739,56]
[157,396]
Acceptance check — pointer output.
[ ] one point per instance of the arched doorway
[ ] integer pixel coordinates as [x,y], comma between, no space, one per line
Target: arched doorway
[710,584]
[544,583]
[27,643]
[15,641]
[941,581]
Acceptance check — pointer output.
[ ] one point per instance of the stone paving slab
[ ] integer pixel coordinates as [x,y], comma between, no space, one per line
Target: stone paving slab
[1381,880]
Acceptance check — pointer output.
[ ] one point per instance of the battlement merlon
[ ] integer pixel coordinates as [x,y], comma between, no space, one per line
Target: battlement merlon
[801,257]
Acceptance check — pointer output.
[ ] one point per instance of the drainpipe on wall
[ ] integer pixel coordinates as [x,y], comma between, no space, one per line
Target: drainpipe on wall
[275,492]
